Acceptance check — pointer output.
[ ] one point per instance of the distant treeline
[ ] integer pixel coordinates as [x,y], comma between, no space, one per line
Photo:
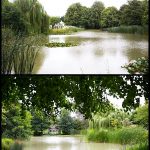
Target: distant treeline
[133,13]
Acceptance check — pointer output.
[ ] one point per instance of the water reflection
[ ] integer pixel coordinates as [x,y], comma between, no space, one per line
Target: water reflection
[98,53]
[66,143]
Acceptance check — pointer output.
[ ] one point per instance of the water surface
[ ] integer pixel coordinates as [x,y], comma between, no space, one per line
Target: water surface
[98,53]
[66,143]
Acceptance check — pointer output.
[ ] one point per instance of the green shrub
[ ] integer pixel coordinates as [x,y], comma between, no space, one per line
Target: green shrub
[137,66]
[7,143]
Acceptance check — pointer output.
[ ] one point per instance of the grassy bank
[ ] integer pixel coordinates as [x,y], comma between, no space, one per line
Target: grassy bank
[64,31]
[125,135]
[135,29]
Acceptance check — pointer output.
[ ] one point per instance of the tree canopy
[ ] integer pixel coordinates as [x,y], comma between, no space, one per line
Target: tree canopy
[88,94]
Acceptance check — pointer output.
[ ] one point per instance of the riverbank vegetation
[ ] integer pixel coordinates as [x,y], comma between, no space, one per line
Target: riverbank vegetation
[126,128]
[134,29]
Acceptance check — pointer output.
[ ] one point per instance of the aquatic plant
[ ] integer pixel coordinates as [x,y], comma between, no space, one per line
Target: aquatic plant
[57,44]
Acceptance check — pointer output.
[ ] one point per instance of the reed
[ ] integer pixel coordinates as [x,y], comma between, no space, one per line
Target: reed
[19,52]
[135,29]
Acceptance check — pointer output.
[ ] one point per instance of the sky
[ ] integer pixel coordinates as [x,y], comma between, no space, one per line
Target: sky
[59,7]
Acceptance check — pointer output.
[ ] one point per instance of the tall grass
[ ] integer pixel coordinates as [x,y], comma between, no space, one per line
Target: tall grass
[135,29]
[126,135]
[19,52]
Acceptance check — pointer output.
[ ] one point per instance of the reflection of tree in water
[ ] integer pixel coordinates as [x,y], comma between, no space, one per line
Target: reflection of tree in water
[134,53]
[39,61]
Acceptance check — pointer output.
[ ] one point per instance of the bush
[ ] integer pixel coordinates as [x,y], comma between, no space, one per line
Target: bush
[57,44]
[137,66]
[7,143]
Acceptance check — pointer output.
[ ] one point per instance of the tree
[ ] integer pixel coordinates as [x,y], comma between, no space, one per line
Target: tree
[109,17]
[65,122]
[96,11]
[16,122]
[131,14]
[141,116]
[40,122]
[13,18]
[73,15]
[54,20]
[145,12]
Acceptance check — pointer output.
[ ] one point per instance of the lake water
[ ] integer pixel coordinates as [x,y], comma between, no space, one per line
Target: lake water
[98,53]
[66,143]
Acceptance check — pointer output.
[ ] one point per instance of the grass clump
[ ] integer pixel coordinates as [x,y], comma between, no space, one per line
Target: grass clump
[63,31]
[135,29]
[141,146]
[57,44]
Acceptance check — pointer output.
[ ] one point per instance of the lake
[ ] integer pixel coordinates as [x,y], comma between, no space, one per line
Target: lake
[98,53]
[66,143]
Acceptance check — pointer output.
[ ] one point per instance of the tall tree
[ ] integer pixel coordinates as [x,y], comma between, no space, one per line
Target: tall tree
[96,11]
[109,17]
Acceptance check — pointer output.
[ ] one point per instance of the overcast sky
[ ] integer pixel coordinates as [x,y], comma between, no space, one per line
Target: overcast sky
[59,7]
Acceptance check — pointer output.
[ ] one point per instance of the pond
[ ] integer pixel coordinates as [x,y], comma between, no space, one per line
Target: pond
[66,143]
[98,53]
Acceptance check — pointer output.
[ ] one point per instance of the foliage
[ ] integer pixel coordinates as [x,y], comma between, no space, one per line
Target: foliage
[19,52]
[141,146]
[39,122]
[17,123]
[25,16]
[138,66]
[96,11]
[88,92]
[135,29]
[57,44]
[65,122]
[97,135]
[126,135]
[54,20]
[131,14]
[109,17]
[63,31]
[141,116]
[13,18]
[6,143]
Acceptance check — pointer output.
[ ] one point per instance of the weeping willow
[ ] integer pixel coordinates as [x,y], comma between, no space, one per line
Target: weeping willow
[34,14]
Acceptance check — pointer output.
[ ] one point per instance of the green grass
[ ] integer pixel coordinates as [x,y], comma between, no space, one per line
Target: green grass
[64,31]
[135,29]
[126,135]
[141,146]
[57,44]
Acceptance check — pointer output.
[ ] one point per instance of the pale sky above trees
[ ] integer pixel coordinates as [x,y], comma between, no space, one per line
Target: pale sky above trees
[59,7]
